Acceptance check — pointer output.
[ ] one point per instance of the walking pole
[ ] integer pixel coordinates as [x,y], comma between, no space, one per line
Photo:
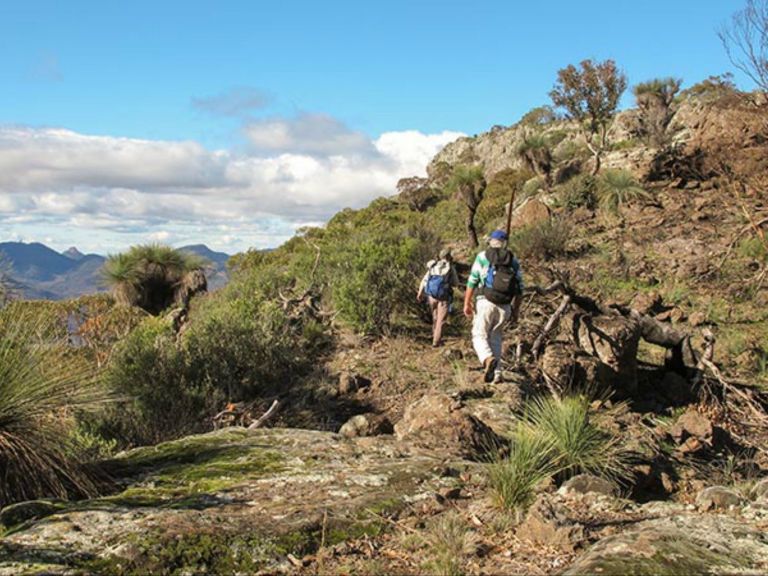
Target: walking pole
[509,214]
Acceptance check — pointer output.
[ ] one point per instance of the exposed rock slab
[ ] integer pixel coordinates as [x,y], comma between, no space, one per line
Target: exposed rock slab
[692,544]
[231,500]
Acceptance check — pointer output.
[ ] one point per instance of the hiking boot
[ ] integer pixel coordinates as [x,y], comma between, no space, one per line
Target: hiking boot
[498,377]
[489,368]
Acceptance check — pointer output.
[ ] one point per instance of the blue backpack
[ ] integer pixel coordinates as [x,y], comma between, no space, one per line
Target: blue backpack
[438,286]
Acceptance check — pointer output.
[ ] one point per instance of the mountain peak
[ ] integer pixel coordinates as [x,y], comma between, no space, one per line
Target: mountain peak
[73,253]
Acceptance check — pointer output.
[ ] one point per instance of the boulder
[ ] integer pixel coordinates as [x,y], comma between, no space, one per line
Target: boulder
[587,483]
[349,383]
[679,544]
[647,302]
[438,421]
[366,425]
[548,524]
[718,498]
[530,212]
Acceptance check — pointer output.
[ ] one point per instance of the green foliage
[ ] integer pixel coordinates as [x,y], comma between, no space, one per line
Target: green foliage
[543,240]
[539,116]
[590,95]
[41,383]
[375,277]
[531,460]
[655,101]
[580,445]
[536,152]
[616,188]
[580,191]
[712,89]
[468,184]
[147,372]
[532,187]
[753,248]
[150,276]
[570,150]
[498,194]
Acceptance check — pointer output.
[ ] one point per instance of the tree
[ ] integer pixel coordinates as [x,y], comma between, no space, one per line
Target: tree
[746,41]
[655,100]
[154,277]
[590,96]
[469,184]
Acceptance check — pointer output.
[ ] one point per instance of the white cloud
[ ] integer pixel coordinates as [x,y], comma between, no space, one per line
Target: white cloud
[109,192]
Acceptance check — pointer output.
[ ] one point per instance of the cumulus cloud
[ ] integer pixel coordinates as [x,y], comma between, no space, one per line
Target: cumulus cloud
[236,102]
[314,134]
[124,190]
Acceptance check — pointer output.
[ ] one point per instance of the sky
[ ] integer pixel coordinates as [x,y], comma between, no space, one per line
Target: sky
[235,122]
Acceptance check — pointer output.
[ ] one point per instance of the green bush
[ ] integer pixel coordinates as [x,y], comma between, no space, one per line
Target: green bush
[580,191]
[544,240]
[147,371]
[376,276]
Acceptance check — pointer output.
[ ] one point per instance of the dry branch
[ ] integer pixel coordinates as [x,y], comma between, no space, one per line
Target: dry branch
[266,416]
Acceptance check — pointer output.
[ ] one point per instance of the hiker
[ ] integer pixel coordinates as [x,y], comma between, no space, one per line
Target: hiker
[497,278]
[437,285]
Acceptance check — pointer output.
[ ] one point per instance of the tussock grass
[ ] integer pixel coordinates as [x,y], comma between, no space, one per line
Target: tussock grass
[532,458]
[579,444]
[41,384]
[449,542]
[616,188]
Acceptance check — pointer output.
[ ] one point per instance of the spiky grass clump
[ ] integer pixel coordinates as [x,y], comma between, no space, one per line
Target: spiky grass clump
[579,444]
[450,541]
[151,276]
[41,383]
[618,187]
[532,459]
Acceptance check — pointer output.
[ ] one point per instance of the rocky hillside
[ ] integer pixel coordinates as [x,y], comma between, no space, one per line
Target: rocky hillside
[387,455]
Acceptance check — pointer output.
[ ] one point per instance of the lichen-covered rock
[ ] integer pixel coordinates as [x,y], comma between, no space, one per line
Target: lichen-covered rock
[587,483]
[438,421]
[718,498]
[680,544]
[548,524]
[232,501]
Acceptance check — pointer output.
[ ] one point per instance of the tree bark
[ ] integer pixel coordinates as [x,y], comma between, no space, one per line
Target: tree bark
[471,231]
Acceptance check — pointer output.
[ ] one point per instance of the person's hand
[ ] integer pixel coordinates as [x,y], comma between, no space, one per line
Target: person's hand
[420,297]
[468,310]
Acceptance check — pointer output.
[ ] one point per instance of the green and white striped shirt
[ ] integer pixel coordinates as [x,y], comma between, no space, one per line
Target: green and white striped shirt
[480,267]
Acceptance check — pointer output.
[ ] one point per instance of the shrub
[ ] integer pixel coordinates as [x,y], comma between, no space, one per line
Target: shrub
[497,196]
[41,383]
[532,187]
[376,275]
[539,116]
[543,240]
[618,187]
[468,183]
[578,192]
[536,153]
[532,459]
[148,372]
[580,445]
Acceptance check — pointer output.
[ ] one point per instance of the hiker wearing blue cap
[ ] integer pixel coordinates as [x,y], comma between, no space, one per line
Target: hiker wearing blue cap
[498,281]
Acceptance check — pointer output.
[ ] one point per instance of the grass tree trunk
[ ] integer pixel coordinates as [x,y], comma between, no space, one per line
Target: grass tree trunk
[471,230]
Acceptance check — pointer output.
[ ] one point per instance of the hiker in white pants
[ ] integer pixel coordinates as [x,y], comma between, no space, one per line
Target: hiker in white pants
[497,277]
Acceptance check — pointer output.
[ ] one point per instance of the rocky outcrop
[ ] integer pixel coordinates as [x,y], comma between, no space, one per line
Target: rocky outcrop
[679,545]
[229,501]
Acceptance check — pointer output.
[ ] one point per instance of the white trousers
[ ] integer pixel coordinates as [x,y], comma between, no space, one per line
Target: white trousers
[487,328]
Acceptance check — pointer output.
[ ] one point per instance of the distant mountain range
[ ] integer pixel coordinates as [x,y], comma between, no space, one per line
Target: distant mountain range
[39,272]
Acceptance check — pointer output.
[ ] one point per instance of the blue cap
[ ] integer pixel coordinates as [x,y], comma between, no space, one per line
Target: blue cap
[499,235]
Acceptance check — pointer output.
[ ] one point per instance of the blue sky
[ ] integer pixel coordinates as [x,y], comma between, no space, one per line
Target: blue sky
[203,80]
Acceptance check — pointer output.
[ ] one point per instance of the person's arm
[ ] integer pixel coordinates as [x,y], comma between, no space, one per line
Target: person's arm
[469,309]
[472,283]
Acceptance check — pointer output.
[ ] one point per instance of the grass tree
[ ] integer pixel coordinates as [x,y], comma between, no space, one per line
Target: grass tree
[590,96]
[469,184]
[41,383]
[154,277]
[615,188]
[655,100]
[536,154]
